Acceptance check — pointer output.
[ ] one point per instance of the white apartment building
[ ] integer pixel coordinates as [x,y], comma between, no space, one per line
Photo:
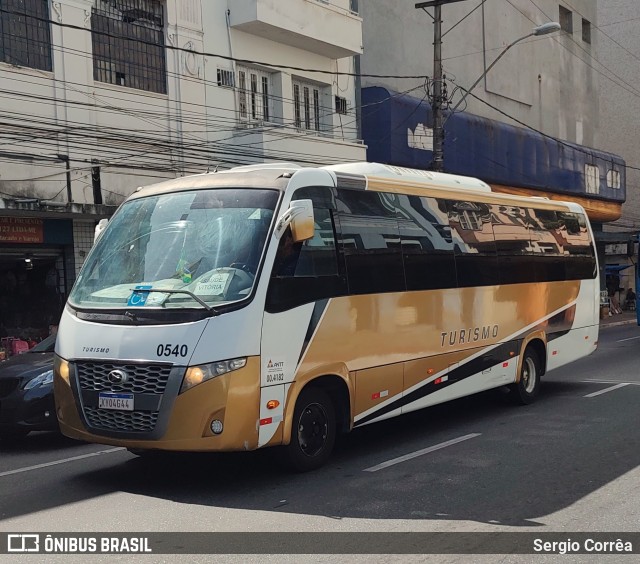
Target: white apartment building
[101,96]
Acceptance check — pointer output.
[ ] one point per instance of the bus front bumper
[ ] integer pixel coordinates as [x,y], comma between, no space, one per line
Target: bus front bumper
[231,400]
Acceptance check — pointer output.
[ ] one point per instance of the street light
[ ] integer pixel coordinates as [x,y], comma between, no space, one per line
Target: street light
[544,29]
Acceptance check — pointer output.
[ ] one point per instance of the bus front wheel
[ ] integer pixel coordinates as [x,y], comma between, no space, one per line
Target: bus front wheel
[313,432]
[526,389]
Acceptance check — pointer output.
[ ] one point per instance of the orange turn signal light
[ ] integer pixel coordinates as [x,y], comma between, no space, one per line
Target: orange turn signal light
[272,404]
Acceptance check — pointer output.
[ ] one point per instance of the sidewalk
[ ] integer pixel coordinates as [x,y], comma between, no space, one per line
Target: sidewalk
[624,318]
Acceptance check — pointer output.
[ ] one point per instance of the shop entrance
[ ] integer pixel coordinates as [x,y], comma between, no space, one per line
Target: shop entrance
[32,291]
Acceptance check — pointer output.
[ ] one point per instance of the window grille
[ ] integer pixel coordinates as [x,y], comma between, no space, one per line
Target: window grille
[470,220]
[25,33]
[592,179]
[296,105]
[226,78]
[242,94]
[613,179]
[128,44]
[341,105]
[254,95]
[316,108]
[307,106]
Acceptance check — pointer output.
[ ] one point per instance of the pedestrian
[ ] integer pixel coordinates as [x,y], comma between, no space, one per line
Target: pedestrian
[630,299]
[615,304]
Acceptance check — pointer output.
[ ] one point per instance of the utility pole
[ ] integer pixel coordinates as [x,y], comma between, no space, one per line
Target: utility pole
[436,105]
[437,163]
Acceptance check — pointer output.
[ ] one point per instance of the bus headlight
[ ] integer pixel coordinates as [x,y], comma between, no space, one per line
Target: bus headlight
[197,374]
[61,367]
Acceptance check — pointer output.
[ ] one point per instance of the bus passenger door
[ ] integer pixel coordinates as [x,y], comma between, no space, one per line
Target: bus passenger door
[304,276]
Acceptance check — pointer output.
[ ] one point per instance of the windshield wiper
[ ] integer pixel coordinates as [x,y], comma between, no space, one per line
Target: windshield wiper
[190,294]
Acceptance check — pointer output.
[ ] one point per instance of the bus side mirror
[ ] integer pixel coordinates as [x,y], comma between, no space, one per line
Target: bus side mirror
[99,229]
[300,217]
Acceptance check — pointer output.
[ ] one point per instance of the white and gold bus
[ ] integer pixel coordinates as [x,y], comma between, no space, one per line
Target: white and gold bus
[279,305]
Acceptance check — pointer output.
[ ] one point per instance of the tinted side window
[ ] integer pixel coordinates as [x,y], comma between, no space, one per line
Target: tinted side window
[371,241]
[511,232]
[473,243]
[427,247]
[581,261]
[547,246]
[317,256]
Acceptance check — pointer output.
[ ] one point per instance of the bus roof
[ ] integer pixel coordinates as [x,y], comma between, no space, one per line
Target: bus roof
[415,176]
[371,176]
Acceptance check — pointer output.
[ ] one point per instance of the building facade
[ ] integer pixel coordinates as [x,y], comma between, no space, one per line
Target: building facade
[532,123]
[618,53]
[102,96]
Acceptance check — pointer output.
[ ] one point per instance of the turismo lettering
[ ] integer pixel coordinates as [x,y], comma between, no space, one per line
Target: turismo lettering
[95,349]
[471,335]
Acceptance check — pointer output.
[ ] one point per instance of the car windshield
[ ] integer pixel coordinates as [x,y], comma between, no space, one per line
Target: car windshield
[46,345]
[203,247]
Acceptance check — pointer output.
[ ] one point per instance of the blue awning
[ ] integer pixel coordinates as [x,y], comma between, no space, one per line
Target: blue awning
[615,268]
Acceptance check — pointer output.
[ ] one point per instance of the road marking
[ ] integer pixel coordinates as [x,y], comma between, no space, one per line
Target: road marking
[629,339]
[610,389]
[610,382]
[55,462]
[417,453]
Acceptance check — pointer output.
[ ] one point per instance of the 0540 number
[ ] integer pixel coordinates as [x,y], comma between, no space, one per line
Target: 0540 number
[172,350]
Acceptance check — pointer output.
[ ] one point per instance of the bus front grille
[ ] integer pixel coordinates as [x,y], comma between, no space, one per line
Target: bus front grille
[140,378]
[135,421]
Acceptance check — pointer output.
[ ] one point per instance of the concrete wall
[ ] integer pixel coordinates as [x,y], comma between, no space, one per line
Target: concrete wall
[547,82]
[619,53]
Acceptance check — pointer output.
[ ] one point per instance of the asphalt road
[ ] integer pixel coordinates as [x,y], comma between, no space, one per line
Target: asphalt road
[569,462]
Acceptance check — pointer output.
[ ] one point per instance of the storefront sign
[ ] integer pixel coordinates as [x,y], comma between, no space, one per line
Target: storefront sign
[21,230]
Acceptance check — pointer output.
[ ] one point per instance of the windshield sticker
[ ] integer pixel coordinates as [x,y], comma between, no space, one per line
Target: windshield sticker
[139,296]
[143,296]
[213,285]
[156,298]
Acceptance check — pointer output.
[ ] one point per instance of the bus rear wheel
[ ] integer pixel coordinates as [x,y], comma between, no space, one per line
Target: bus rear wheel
[313,432]
[527,388]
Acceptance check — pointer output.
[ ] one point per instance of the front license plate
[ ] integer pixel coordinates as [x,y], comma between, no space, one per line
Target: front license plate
[120,402]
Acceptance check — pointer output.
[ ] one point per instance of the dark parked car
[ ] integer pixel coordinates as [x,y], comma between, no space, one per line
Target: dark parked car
[26,392]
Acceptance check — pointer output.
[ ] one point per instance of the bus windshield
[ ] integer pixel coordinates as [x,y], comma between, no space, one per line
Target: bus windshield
[203,246]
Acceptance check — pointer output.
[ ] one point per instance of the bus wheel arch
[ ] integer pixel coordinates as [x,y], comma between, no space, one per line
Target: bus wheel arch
[531,367]
[539,346]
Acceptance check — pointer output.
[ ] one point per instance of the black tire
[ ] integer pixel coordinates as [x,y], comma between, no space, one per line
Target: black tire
[13,434]
[525,391]
[313,431]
